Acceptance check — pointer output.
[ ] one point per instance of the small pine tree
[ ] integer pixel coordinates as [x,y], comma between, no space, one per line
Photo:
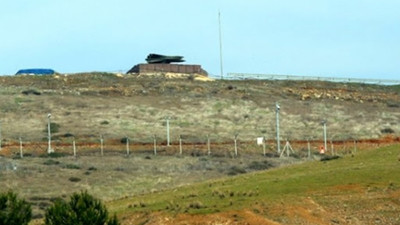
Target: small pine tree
[82,209]
[14,211]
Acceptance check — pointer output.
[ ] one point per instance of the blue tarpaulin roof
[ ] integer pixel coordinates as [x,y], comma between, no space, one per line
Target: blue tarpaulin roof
[36,71]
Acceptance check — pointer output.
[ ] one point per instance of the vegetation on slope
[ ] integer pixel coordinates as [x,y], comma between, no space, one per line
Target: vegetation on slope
[344,189]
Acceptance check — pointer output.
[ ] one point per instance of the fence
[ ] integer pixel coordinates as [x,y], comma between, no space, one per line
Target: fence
[249,76]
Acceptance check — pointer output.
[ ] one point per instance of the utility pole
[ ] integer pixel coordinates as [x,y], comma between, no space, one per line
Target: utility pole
[220,45]
[278,142]
[49,149]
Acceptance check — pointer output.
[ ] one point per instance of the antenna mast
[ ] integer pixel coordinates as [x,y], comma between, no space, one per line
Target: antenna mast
[220,45]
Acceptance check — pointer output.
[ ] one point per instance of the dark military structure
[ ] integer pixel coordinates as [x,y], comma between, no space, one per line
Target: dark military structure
[157,63]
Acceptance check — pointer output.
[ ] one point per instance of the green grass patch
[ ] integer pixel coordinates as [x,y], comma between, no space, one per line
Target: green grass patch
[378,168]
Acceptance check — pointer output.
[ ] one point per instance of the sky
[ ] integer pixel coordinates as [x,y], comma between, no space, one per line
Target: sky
[328,38]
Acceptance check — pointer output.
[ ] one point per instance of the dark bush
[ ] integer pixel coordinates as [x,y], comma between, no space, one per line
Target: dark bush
[387,131]
[72,166]
[104,122]
[50,162]
[74,179]
[256,165]
[31,91]
[68,135]
[54,155]
[54,127]
[14,211]
[234,170]
[124,140]
[81,209]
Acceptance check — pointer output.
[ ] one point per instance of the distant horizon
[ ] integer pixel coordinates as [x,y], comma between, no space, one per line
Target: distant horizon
[355,39]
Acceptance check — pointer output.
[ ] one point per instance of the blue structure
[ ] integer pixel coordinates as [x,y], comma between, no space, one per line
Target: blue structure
[36,72]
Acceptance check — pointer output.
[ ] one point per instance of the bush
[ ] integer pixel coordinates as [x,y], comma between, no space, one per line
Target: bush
[54,127]
[234,170]
[14,211]
[82,209]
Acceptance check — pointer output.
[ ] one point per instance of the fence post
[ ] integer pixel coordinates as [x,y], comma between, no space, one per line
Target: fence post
[20,148]
[309,148]
[74,147]
[236,150]
[180,145]
[264,146]
[127,146]
[101,145]
[155,145]
[208,145]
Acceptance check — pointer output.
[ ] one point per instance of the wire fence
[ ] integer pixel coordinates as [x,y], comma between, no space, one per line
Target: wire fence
[250,76]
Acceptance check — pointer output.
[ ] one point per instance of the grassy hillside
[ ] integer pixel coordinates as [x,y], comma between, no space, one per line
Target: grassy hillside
[88,105]
[355,189]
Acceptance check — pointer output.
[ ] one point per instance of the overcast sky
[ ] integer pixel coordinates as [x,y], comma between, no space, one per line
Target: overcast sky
[343,38]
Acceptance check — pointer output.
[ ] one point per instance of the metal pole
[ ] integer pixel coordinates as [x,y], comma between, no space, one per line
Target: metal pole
[155,145]
[49,150]
[208,144]
[101,145]
[167,131]
[20,148]
[0,136]
[278,142]
[325,145]
[74,147]
[236,151]
[264,146]
[180,145]
[127,146]
[220,45]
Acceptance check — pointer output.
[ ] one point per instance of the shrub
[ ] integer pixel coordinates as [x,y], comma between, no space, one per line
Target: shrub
[51,162]
[256,165]
[82,209]
[14,211]
[72,166]
[104,122]
[234,170]
[74,179]
[387,131]
[31,91]
[54,127]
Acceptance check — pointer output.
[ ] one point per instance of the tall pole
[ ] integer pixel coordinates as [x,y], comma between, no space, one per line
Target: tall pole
[278,142]
[220,45]
[325,145]
[0,136]
[49,150]
[167,118]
